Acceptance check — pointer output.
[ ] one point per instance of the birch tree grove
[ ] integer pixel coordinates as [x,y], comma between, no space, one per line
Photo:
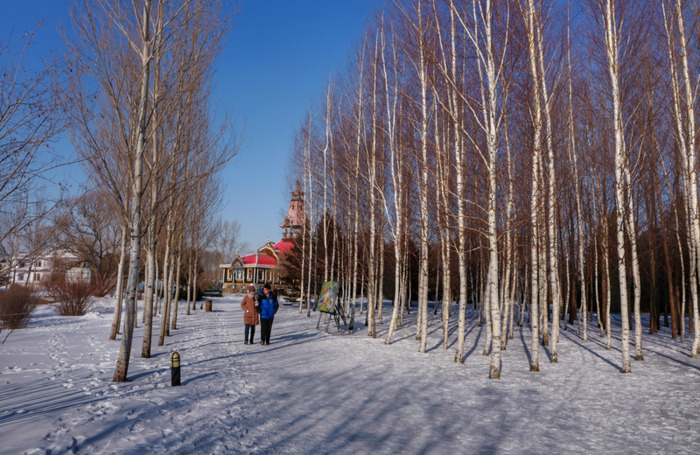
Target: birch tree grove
[490,149]
[140,103]
[684,94]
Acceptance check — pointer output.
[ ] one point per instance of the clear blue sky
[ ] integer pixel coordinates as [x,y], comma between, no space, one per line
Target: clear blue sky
[276,63]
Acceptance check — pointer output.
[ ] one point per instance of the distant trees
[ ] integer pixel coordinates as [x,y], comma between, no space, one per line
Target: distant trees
[31,116]
[493,147]
[89,229]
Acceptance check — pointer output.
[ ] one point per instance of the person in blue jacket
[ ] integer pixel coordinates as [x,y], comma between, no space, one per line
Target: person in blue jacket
[267,308]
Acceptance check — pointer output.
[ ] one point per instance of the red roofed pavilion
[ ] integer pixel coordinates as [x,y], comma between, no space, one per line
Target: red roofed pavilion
[266,264]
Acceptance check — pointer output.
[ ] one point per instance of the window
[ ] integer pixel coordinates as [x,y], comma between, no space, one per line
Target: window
[37,277]
[20,277]
[249,275]
[38,263]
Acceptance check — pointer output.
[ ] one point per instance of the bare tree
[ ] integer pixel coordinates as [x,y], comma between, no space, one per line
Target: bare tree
[90,230]
[31,116]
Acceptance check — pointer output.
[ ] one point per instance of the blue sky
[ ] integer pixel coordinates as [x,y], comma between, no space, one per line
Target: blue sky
[276,63]
[279,56]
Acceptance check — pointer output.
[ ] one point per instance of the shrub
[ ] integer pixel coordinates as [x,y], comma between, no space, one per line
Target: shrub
[72,297]
[100,285]
[182,294]
[16,306]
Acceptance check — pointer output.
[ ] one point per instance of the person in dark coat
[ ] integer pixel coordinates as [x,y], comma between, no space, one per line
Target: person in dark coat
[250,315]
[267,308]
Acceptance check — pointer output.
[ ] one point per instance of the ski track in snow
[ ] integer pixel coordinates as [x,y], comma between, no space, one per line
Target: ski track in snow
[333,393]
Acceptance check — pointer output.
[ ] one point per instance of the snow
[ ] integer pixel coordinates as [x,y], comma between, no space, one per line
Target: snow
[333,393]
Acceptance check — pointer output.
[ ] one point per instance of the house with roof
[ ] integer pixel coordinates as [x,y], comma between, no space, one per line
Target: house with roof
[33,270]
[266,265]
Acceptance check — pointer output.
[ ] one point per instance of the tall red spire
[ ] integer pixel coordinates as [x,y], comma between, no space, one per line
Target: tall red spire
[294,221]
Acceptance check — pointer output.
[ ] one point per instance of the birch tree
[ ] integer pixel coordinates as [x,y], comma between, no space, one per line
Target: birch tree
[610,29]
[684,94]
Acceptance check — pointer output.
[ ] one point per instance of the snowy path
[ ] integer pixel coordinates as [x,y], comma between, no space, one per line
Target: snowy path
[312,392]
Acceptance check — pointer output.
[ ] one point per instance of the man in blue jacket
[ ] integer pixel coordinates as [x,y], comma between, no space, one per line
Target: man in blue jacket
[267,309]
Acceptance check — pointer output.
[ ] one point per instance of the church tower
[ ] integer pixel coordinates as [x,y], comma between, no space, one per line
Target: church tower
[293,223]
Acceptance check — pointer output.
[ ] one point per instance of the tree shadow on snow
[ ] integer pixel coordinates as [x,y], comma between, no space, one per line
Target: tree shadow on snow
[588,348]
[198,378]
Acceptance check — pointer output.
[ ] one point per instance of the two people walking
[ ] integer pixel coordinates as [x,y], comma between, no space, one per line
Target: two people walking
[265,306]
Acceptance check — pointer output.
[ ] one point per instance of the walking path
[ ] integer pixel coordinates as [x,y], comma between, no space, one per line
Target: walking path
[312,392]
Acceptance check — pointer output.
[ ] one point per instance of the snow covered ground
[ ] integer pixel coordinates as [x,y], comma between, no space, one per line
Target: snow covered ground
[315,393]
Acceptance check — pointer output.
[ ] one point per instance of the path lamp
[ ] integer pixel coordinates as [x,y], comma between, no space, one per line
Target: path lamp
[175,369]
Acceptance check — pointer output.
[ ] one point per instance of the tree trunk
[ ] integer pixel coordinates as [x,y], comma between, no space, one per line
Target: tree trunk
[176,292]
[612,47]
[119,293]
[122,368]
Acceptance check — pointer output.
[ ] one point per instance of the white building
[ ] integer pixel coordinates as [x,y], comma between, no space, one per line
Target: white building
[34,270]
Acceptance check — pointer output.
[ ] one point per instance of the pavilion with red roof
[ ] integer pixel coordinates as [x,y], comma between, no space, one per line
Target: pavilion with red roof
[266,264]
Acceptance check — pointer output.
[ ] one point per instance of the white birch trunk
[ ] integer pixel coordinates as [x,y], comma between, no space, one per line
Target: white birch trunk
[612,47]
[166,291]
[145,55]
[577,191]
[509,258]
[542,251]
[552,202]
[490,122]
[689,162]
[486,309]
[310,192]
[380,279]
[176,292]
[535,194]
[372,184]
[148,296]
[423,259]
[324,207]
[608,286]
[302,294]
[637,286]
[461,202]
[119,293]
[595,284]
[397,182]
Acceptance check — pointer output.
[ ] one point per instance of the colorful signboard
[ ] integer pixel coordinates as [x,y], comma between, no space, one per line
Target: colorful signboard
[328,297]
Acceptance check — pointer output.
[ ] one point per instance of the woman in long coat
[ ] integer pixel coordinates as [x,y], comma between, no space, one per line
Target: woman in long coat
[250,315]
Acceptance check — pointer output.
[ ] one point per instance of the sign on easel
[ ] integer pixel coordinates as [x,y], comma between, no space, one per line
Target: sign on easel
[328,304]
[328,297]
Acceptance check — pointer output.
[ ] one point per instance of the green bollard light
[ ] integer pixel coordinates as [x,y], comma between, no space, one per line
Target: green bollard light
[175,369]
